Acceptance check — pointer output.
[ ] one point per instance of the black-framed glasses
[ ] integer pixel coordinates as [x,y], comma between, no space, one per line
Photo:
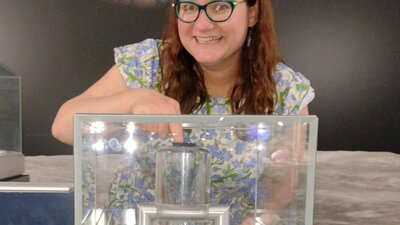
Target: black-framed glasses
[216,11]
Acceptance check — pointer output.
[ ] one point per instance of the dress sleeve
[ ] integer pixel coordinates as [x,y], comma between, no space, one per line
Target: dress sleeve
[293,91]
[139,63]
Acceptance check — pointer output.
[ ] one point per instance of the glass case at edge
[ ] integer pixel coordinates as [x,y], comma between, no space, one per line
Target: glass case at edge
[11,158]
[261,169]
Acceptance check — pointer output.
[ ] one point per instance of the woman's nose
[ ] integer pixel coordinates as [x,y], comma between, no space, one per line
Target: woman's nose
[203,22]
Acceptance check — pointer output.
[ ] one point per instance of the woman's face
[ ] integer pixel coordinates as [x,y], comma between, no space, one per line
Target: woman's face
[215,44]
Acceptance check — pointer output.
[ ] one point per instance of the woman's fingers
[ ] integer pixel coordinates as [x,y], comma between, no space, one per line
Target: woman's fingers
[281,155]
[164,129]
[151,102]
[176,131]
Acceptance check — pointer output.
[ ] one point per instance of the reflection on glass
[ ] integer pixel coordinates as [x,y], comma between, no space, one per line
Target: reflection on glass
[261,168]
[96,127]
[130,145]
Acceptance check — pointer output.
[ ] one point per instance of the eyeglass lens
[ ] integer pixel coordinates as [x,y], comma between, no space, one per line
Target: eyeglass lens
[216,11]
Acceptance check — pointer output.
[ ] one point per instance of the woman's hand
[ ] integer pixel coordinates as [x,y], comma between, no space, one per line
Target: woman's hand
[148,101]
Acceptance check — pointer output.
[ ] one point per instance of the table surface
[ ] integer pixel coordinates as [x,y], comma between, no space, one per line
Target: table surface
[352,187]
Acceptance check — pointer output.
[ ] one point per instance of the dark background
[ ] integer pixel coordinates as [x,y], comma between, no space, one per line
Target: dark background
[349,49]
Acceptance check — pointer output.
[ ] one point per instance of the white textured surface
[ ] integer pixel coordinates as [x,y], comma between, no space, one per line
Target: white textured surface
[357,188]
[50,169]
[352,188]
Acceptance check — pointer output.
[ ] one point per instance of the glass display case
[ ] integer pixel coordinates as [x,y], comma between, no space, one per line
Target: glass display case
[191,169]
[11,157]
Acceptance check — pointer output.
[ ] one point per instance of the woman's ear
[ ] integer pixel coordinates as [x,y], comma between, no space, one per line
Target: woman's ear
[253,14]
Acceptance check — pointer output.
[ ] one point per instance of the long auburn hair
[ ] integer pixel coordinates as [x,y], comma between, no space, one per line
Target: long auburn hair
[254,90]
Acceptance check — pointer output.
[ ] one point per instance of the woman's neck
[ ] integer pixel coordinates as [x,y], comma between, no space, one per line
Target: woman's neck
[220,81]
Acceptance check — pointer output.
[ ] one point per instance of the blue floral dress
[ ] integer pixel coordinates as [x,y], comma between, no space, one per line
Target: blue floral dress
[233,160]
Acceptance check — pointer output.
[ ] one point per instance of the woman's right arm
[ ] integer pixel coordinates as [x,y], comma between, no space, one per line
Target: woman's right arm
[110,95]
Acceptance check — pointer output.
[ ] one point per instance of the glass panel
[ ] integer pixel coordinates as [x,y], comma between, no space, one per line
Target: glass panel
[11,158]
[262,167]
[10,114]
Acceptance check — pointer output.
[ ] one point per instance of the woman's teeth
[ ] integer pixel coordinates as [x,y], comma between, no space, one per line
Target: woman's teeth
[206,40]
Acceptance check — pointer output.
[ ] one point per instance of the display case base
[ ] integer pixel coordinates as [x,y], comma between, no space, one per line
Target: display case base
[12,164]
[24,203]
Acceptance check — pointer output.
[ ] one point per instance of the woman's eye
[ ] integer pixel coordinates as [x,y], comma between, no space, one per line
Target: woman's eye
[221,7]
[188,7]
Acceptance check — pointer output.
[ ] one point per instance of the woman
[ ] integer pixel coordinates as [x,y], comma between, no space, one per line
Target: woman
[202,62]
[215,57]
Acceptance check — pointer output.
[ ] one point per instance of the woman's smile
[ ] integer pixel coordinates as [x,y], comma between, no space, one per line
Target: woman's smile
[208,40]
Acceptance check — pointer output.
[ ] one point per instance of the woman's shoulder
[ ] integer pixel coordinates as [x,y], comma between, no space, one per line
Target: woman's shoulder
[284,75]
[293,90]
[148,47]
[139,63]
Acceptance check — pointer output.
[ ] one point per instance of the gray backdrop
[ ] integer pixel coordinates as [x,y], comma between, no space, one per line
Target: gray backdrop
[349,49]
